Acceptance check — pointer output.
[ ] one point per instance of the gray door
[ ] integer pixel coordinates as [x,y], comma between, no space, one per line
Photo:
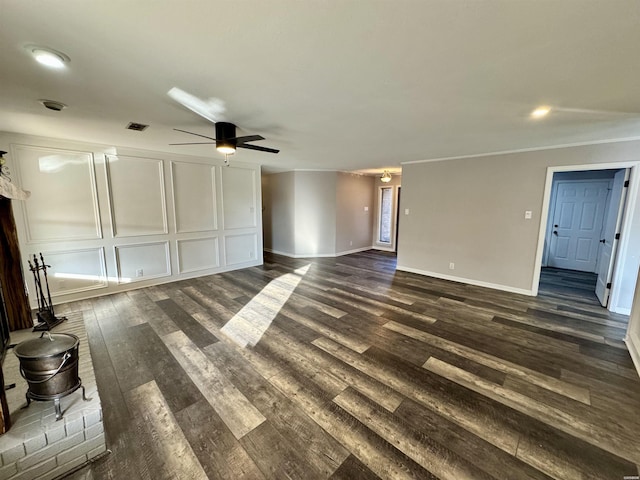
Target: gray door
[577,224]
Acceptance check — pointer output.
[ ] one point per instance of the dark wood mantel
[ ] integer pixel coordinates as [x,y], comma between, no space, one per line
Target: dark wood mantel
[11,276]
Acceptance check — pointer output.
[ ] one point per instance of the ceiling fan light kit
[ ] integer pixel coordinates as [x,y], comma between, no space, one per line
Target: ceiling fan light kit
[225,140]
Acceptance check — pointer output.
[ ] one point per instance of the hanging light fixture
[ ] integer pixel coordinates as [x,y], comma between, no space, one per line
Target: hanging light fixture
[386,177]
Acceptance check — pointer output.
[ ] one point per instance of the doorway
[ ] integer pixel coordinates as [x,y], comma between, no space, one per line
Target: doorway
[585,214]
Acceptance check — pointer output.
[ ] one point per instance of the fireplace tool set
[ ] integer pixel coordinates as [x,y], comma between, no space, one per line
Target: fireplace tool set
[46,316]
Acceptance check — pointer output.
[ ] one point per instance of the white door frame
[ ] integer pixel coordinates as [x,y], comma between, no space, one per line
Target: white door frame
[631,202]
[377,244]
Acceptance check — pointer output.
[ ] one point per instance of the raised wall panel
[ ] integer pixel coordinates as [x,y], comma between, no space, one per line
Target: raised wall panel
[73,271]
[137,193]
[63,204]
[240,248]
[194,197]
[197,254]
[239,194]
[149,259]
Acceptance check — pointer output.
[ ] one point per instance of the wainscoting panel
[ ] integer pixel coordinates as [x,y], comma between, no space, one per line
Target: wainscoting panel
[197,254]
[63,205]
[240,248]
[137,196]
[239,197]
[73,271]
[194,195]
[139,262]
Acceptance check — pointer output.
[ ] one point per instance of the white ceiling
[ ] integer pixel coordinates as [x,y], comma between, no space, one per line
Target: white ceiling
[347,85]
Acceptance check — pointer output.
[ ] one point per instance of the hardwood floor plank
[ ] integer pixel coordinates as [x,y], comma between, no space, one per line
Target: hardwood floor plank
[217,450]
[577,393]
[474,449]
[428,453]
[353,468]
[196,333]
[469,411]
[622,444]
[378,455]
[321,450]
[177,388]
[235,410]
[170,446]
[275,456]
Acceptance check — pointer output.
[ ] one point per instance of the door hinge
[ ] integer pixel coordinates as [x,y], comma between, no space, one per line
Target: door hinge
[626,183]
[609,285]
[617,236]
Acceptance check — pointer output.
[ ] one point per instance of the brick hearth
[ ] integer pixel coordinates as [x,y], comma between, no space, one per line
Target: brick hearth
[38,446]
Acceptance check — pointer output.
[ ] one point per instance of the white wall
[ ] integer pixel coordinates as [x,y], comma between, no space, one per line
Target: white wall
[470,211]
[109,219]
[279,212]
[315,217]
[354,212]
[312,213]
[633,332]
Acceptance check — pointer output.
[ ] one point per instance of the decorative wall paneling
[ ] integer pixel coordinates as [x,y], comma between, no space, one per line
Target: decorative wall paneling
[194,184]
[239,204]
[240,248]
[197,254]
[101,215]
[64,203]
[136,188]
[143,261]
[74,271]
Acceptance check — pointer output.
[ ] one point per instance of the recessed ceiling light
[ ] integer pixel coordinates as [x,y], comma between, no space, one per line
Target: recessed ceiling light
[48,57]
[540,112]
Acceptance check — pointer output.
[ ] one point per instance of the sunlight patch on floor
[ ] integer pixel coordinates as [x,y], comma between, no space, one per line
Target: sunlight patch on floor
[252,321]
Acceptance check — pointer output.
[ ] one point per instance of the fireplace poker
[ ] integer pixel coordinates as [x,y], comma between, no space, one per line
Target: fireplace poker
[35,279]
[46,279]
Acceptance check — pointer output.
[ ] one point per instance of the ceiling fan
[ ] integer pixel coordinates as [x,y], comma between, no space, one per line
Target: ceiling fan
[226,139]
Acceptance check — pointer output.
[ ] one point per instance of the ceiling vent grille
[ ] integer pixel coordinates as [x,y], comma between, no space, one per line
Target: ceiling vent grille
[138,127]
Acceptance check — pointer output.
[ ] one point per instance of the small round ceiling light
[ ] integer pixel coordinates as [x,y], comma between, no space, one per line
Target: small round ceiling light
[48,57]
[386,177]
[540,112]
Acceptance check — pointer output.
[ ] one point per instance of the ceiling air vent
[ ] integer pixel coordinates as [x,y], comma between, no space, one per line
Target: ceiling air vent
[138,127]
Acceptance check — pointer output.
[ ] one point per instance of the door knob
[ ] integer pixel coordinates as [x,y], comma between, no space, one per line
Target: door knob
[603,240]
[555,232]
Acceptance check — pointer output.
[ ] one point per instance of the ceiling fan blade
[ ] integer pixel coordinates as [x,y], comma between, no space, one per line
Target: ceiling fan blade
[194,143]
[248,138]
[256,147]
[191,133]
[211,109]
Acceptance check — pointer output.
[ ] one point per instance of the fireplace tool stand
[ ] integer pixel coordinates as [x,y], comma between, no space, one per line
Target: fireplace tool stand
[46,315]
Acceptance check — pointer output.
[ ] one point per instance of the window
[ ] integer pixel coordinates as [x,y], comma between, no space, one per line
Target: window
[385,220]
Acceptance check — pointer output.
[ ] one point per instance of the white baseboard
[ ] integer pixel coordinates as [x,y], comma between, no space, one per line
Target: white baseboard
[469,281]
[633,351]
[317,255]
[622,311]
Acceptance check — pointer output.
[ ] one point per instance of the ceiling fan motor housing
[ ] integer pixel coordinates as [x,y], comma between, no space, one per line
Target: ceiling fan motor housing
[226,135]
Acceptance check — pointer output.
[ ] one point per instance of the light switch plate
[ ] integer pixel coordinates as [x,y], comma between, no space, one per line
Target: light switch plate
[528,215]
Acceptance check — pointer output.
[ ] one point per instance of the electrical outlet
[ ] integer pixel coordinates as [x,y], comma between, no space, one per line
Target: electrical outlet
[139,272]
[351,243]
[452,266]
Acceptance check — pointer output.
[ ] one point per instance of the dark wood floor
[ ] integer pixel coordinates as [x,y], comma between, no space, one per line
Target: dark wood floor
[363,373]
